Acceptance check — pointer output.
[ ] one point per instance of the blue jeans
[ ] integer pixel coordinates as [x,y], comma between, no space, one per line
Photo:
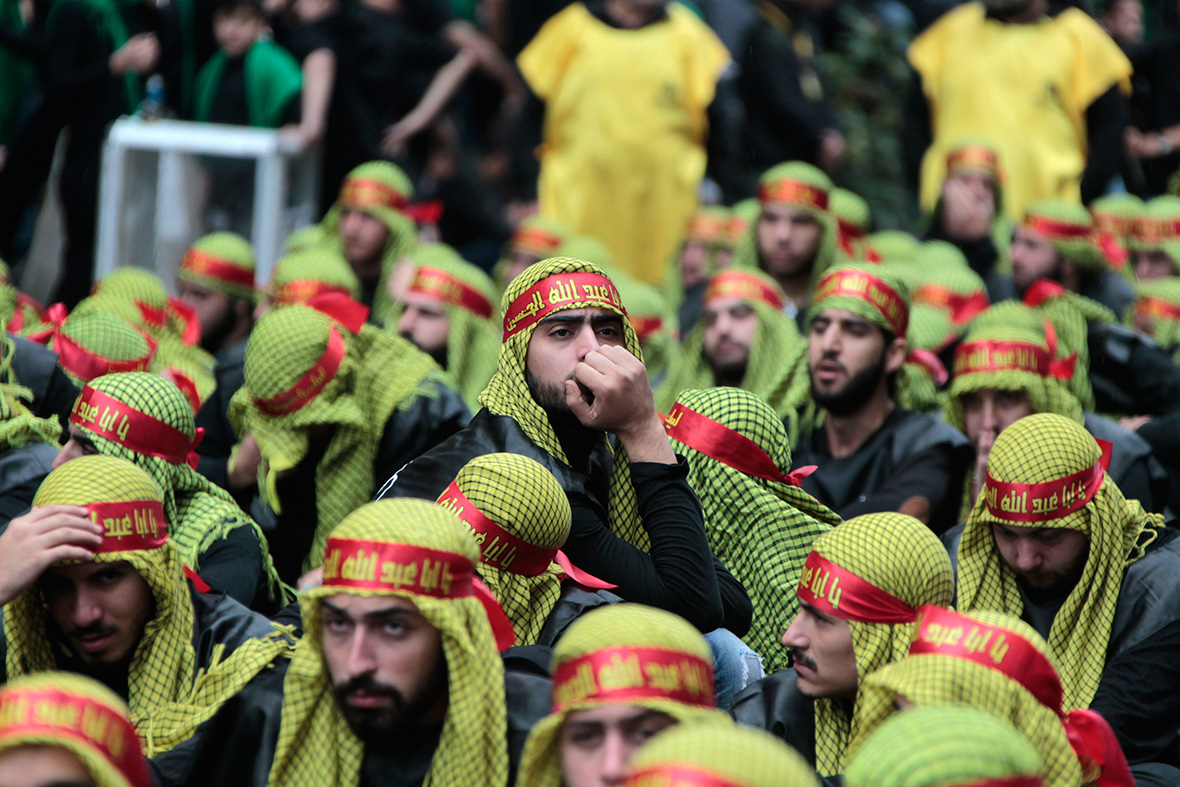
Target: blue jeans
[735,666]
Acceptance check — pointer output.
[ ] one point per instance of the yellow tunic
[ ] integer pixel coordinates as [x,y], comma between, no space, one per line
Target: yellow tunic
[1022,87]
[623,149]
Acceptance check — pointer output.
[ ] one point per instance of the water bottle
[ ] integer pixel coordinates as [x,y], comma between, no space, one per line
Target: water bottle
[152,106]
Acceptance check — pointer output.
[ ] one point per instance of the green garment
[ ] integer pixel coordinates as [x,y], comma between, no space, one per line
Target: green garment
[273,81]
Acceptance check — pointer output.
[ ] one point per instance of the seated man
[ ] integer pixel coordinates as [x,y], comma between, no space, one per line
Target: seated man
[743,340]
[859,596]
[92,584]
[1004,372]
[872,454]
[216,280]
[1155,239]
[333,408]
[598,722]
[795,239]
[721,754]
[145,419]
[447,313]
[397,679]
[62,729]
[1053,541]
[569,374]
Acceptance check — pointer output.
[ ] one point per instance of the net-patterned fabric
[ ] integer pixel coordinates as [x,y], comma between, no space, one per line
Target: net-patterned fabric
[655,323]
[169,697]
[776,370]
[300,274]
[508,394]
[473,341]
[943,747]
[938,680]
[358,401]
[901,556]
[316,746]
[1154,228]
[92,745]
[740,756]
[1157,310]
[18,425]
[221,261]
[612,626]
[523,498]
[766,559]
[1081,251]
[105,338]
[1041,448]
[199,513]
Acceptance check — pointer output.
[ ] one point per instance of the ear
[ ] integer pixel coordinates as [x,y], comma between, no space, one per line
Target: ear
[895,354]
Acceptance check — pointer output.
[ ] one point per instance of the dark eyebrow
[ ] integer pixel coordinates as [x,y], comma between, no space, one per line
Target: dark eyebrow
[579,319]
[377,614]
[819,613]
[83,440]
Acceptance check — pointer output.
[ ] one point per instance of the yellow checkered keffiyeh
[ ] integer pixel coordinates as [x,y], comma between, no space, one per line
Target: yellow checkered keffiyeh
[383,191]
[18,425]
[1157,312]
[721,756]
[221,261]
[949,679]
[48,709]
[1049,449]
[900,556]
[656,325]
[287,349]
[301,275]
[536,235]
[514,494]
[632,634]
[944,747]
[1156,228]
[168,696]
[508,392]
[467,297]
[316,746]
[721,432]
[776,369]
[123,418]
[89,345]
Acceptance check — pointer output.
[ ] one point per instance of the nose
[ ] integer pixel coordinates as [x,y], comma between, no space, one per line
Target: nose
[68,451]
[587,341]
[615,756]
[360,654]
[405,325]
[989,419]
[87,610]
[829,341]
[794,636]
[1028,556]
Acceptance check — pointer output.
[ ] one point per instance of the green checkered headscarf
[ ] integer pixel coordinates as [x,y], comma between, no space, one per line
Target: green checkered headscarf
[655,324]
[90,345]
[467,297]
[301,275]
[316,746]
[944,747]
[724,755]
[222,261]
[853,221]
[169,697]
[1049,450]
[302,370]
[710,227]
[899,556]
[1157,311]
[581,665]
[776,369]
[516,495]
[383,191]
[1069,228]
[1114,217]
[18,425]
[895,247]
[146,420]
[73,712]
[537,235]
[739,462]
[508,391]
[939,674]
[1158,229]
[799,185]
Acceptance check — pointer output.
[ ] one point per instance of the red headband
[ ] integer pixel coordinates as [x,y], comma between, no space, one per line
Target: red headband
[1042,290]
[202,263]
[56,714]
[447,288]
[133,429]
[961,307]
[352,564]
[130,526]
[849,231]
[498,548]
[739,284]
[1054,229]
[727,446]
[794,192]
[705,227]
[1149,230]
[1046,500]
[996,356]
[1154,307]
[624,675]
[309,385]
[557,292]
[86,365]
[152,316]
[369,193]
[645,326]
[536,240]
[972,157]
[867,287]
[837,591]
[303,290]
[677,776]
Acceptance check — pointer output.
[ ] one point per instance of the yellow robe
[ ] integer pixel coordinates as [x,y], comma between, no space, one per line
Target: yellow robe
[1022,87]
[623,149]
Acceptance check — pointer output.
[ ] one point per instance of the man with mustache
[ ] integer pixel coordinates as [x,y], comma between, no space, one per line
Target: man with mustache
[873,455]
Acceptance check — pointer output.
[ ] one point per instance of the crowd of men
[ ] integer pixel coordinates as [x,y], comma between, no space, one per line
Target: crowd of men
[665,494]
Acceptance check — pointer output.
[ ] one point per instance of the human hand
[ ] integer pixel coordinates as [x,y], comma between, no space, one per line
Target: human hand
[139,55]
[967,214]
[979,471]
[242,472]
[44,536]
